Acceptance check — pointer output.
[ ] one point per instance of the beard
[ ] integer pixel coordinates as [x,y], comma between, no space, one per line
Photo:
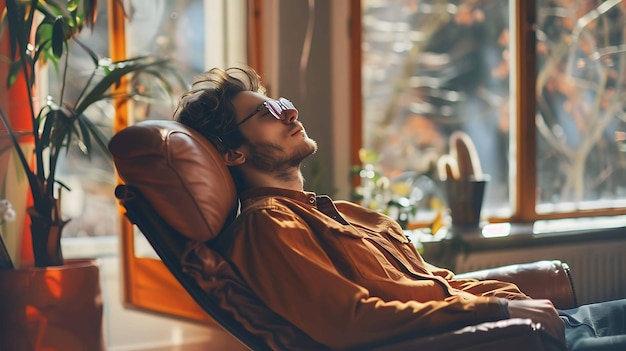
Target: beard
[272,158]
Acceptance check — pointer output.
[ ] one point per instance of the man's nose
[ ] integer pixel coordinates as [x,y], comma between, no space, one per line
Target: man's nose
[291,115]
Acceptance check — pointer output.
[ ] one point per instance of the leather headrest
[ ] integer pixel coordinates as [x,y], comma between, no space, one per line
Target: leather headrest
[179,172]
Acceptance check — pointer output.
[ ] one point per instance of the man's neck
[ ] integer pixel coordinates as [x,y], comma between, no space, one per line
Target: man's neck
[285,179]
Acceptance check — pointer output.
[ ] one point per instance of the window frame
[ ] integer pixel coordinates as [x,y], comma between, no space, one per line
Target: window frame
[523,203]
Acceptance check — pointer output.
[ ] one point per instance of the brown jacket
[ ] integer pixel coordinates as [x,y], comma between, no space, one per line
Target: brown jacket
[348,276]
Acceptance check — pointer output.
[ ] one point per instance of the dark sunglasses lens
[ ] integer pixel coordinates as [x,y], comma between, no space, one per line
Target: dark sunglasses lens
[286,103]
[274,108]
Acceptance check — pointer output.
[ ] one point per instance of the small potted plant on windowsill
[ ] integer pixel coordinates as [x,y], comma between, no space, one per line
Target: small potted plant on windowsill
[40,32]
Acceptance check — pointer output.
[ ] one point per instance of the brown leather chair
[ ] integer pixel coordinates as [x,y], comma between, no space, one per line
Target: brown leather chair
[180,196]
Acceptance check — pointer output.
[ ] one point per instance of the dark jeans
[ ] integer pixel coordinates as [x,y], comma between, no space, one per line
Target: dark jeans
[599,326]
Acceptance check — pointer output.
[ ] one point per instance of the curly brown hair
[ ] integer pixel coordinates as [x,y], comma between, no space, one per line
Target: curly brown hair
[207,107]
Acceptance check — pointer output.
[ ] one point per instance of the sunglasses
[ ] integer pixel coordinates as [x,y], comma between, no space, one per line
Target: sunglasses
[275,107]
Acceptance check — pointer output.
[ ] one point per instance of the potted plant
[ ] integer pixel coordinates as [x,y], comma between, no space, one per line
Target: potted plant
[40,32]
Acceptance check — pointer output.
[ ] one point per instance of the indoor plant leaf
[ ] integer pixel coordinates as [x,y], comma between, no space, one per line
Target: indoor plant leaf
[58,37]
[119,70]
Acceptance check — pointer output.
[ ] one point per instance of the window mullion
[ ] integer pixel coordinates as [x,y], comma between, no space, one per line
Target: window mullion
[255,36]
[525,142]
[117,51]
[356,62]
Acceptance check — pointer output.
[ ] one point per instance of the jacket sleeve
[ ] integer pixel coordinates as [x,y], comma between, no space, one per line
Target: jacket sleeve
[494,288]
[283,263]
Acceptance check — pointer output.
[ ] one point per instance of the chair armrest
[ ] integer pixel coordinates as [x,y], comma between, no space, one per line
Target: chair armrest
[540,280]
[513,334]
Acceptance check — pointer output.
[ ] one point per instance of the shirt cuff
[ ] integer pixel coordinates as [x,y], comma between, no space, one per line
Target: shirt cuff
[504,308]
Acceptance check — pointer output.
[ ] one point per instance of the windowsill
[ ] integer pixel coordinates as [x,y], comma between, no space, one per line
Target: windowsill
[93,247]
[541,233]
[105,246]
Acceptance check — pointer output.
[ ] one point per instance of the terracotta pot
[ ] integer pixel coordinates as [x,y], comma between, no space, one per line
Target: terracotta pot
[52,308]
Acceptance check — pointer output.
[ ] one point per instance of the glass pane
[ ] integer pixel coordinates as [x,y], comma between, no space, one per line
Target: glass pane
[581,154]
[89,204]
[172,29]
[431,68]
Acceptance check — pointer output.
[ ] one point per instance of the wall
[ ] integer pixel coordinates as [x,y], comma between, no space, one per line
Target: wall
[304,78]
[306,53]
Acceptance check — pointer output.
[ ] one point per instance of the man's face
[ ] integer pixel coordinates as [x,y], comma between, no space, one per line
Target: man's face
[272,144]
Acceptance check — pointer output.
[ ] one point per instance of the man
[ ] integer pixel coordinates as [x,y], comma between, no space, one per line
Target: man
[344,275]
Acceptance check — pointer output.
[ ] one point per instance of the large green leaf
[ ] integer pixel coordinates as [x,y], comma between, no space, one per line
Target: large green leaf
[119,70]
[14,71]
[58,36]
[18,29]
[72,5]
[87,49]
[91,12]
[46,132]
[99,137]
[84,139]
[32,179]
[43,35]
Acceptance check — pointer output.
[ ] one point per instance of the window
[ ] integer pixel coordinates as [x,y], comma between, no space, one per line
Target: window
[537,85]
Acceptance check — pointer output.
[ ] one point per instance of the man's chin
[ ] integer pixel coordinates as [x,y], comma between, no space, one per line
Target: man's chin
[313,144]
[308,150]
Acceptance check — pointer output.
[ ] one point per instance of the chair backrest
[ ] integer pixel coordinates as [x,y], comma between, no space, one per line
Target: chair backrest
[180,195]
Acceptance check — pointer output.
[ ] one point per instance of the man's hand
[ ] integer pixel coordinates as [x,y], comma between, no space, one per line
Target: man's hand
[541,311]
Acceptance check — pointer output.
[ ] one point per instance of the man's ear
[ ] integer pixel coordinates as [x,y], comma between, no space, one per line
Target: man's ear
[234,157]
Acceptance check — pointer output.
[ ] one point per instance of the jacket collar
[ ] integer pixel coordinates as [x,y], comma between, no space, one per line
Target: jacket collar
[304,197]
